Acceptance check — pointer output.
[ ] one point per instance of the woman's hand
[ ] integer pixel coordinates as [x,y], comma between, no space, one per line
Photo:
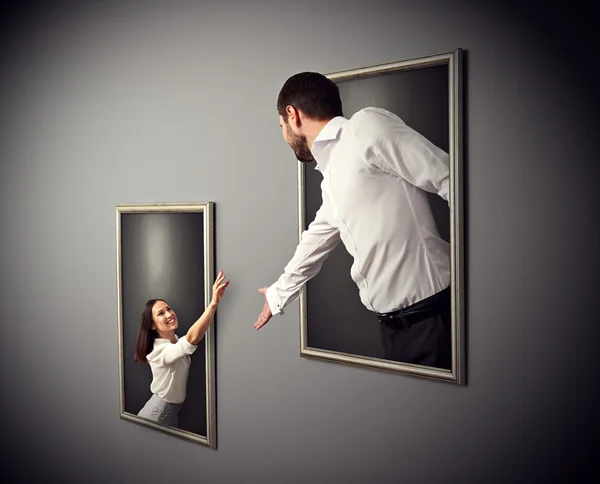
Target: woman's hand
[219,289]
[198,329]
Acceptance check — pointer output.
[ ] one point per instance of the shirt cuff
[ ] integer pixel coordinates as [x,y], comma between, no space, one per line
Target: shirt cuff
[187,347]
[274,301]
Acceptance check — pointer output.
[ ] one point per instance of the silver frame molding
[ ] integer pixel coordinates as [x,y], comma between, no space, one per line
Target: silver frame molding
[454,60]
[210,440]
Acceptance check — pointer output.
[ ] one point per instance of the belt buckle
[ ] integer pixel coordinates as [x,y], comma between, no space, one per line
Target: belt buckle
[388,319]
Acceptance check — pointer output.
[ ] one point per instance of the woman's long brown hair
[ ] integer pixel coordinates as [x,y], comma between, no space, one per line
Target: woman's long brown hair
[146,335]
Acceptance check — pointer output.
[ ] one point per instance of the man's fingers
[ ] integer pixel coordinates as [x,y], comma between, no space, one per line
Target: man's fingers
[261,321]
[263,317]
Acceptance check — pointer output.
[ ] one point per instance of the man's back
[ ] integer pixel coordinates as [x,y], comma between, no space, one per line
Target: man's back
[369,164]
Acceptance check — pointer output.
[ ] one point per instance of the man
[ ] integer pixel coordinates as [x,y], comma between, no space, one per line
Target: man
[376,172]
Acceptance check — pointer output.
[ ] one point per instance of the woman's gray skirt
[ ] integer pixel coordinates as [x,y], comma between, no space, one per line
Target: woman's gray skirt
[161,412]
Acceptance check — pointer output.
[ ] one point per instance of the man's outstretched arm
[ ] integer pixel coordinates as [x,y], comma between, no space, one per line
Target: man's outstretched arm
[315,245]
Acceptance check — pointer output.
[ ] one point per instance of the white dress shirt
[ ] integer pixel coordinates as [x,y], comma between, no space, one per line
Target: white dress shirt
[170,363]
[376,172]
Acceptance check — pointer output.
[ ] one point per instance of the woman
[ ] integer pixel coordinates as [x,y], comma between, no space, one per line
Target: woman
[169,355]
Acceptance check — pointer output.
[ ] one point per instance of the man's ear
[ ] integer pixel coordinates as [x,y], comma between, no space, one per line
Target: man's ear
[293,116]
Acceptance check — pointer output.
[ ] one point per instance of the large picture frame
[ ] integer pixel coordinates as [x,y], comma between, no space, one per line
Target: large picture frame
[429,86]
[166,250]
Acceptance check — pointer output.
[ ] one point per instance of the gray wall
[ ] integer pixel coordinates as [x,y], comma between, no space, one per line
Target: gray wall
[105,104]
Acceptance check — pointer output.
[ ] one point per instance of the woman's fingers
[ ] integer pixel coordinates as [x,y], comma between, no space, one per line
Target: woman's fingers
[220,278]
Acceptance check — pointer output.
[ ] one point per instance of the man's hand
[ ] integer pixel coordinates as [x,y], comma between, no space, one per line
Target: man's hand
[265,314]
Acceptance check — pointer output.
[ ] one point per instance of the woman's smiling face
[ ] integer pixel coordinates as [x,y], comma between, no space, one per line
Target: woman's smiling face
[164,319]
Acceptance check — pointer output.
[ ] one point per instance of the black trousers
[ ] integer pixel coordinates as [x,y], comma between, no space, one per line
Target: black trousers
[419,334]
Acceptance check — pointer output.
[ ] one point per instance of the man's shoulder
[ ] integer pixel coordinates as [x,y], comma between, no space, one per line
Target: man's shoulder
[372,123]
[373,120]
[371,114]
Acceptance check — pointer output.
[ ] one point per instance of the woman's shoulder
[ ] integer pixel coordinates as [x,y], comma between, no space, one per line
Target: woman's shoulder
[159,345]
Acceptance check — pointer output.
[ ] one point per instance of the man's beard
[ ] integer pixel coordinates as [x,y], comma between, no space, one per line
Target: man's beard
[300,147]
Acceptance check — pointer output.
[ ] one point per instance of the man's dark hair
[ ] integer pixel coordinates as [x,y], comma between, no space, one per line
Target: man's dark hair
[312,93]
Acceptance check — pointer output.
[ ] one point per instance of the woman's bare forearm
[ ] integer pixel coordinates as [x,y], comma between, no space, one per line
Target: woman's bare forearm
[196,332]
[198,329]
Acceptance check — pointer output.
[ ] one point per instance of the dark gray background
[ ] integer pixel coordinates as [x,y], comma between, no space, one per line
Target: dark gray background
[336,318]
[105,103]
[163,258]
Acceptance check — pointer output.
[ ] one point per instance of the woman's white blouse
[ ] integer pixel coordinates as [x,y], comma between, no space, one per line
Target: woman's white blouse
[170,364]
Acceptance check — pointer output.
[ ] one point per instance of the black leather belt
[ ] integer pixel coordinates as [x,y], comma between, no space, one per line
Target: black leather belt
[415,313]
